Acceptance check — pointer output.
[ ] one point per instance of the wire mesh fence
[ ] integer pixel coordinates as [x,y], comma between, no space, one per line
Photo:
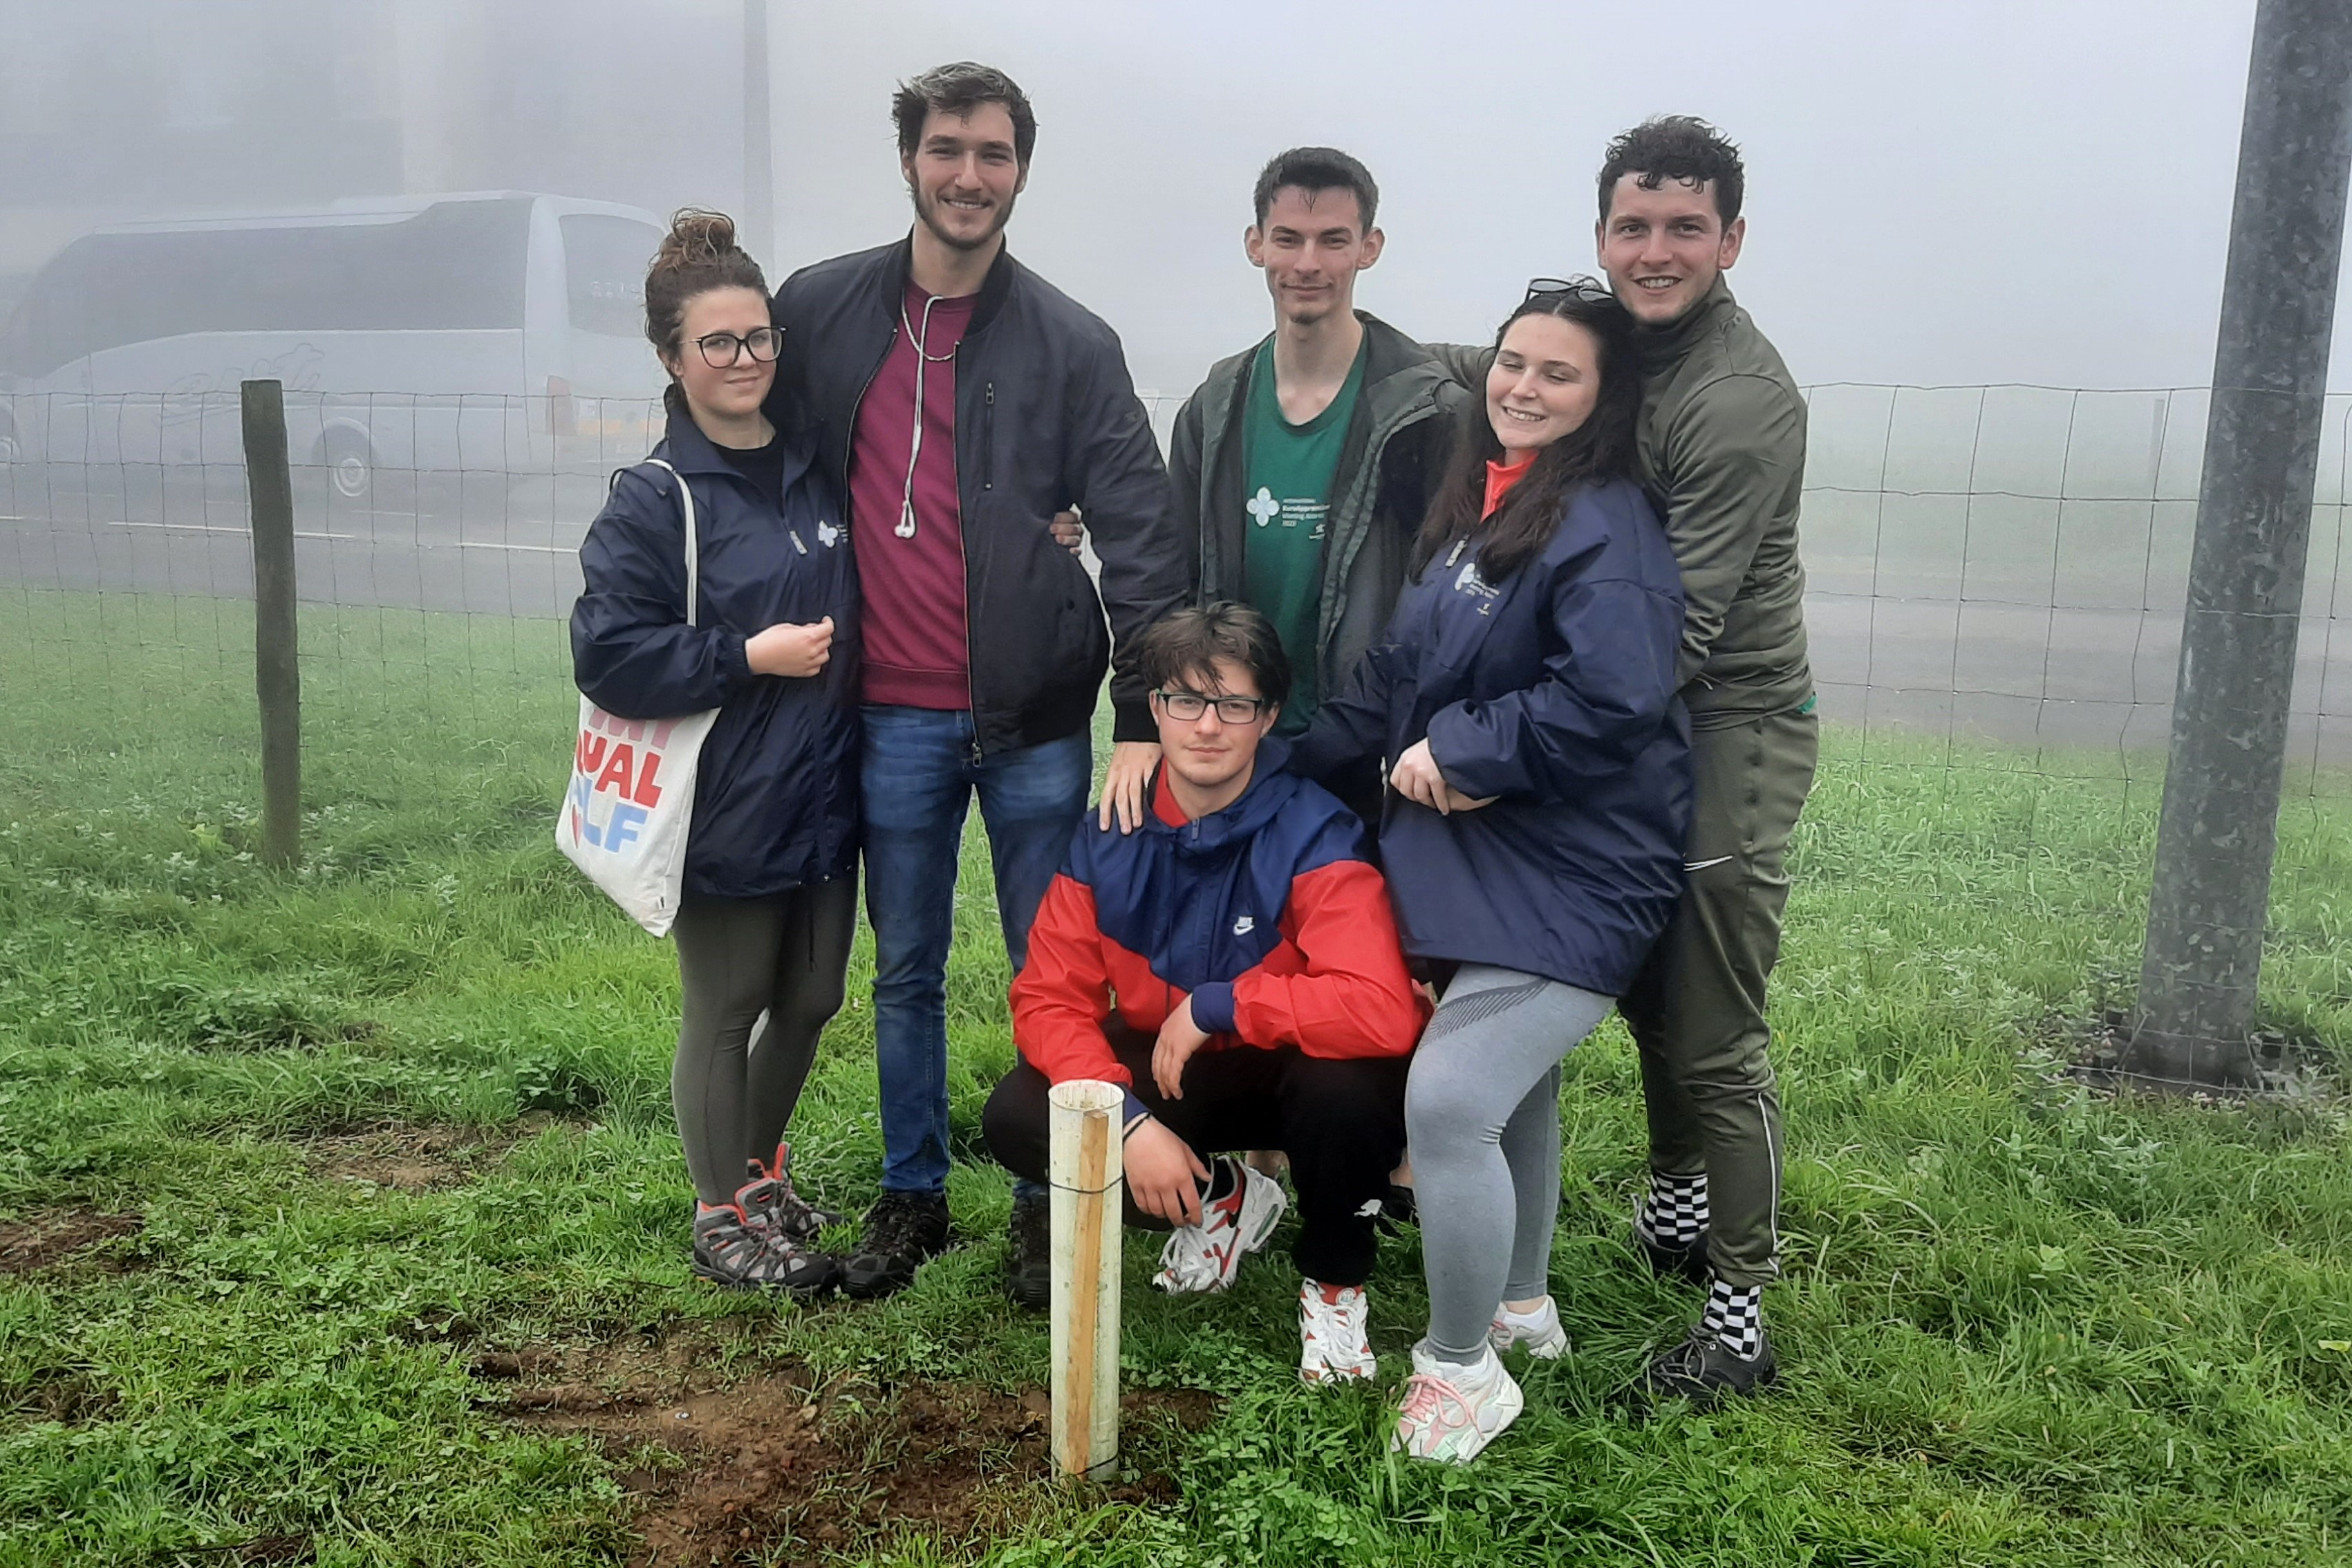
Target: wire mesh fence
[1997,577]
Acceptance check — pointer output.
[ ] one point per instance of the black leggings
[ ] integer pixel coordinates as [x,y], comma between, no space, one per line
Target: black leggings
[738,959]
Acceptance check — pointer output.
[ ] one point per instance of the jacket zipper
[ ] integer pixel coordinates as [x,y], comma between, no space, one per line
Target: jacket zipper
[963,554]
[988,439]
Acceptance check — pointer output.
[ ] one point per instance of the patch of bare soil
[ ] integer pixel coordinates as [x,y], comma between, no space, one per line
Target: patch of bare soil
[409,1158]
[771,1463]
[42,1239]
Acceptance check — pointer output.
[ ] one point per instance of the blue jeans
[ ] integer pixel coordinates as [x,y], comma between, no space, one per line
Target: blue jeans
[918,778]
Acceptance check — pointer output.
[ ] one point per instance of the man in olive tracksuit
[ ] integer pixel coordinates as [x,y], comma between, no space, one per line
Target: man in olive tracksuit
[1722,446]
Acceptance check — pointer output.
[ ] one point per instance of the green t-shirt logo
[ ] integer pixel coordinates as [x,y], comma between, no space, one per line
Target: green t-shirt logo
[1290,477]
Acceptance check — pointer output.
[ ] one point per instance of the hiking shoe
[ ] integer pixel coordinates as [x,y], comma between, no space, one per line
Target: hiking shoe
[1029,1252]
[1206,1256]
[902,1230]
[1452,1413]
[1668,1261]
[1702,1371]
[1539,1331]
[784,1209]
[732,1249]
[1331,1343]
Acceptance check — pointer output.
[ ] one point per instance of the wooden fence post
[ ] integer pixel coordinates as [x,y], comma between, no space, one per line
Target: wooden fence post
[276,674]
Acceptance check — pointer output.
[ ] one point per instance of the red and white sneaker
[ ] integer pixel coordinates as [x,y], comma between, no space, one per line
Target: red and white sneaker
[1539,1331]
[1331,1343]
[1206,1256]
[1452,1413]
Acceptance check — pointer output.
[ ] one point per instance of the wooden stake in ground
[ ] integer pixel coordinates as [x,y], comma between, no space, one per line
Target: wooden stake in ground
[1087,1178]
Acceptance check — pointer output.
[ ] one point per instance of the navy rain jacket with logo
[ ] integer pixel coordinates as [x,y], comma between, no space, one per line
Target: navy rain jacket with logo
[775,799]
[1555,693]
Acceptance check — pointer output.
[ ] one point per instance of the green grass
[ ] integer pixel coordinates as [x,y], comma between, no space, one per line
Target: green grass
[2022,1323]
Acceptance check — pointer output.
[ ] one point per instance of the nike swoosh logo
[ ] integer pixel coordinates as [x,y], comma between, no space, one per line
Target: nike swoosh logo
[1703,864]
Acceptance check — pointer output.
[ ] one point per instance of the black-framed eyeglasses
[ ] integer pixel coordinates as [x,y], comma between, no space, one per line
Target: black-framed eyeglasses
[720,350]
[1185,706]
[1580,287]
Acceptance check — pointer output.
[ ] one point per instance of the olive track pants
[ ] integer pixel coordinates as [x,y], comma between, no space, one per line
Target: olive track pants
[1697,1009]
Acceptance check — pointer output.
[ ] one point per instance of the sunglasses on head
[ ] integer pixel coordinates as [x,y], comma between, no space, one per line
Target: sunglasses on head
[1579,287]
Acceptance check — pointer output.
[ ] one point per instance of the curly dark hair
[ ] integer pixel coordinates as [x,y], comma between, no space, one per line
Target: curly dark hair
[957,90]
[1676,147]
[697,255]
[1599,450]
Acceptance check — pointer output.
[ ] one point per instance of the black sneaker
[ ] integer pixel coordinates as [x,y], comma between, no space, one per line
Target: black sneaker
[902,1229]
[1668,1261]
[1029,1256]
[1701,1370]
[730,1249]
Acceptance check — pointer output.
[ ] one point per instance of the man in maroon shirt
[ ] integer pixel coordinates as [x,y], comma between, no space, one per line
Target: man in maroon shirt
[961,401]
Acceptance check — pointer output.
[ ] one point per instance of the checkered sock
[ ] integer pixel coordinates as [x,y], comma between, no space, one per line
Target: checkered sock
[1734,1316]
[1675,1213]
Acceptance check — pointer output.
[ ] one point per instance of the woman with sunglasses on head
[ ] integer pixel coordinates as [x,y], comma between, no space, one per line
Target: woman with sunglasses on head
[1524,698]
[769,903]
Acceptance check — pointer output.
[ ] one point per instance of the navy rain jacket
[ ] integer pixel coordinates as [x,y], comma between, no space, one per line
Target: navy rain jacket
[775,798]
[1554,692]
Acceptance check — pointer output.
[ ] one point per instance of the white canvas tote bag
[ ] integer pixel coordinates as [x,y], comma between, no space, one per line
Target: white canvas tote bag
[631,800]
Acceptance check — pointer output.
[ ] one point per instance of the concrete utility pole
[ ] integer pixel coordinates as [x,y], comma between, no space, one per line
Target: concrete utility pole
[759,153]
[2219,830]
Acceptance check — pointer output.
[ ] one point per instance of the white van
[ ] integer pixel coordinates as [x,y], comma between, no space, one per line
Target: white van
[491,332]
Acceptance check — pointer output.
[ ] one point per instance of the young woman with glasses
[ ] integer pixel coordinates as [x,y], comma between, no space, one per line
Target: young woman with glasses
[764,928]
[1523,697]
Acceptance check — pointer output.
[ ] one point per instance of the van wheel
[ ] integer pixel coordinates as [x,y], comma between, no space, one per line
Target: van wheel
[350,465]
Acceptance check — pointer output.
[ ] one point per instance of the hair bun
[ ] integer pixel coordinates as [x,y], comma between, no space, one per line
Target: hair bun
[696,234]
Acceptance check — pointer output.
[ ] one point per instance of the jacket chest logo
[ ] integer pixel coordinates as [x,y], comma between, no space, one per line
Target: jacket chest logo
[1469,582]
[1244,925]
[827,533]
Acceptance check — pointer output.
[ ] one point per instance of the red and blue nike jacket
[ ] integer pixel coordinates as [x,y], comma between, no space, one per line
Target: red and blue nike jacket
[1267,914]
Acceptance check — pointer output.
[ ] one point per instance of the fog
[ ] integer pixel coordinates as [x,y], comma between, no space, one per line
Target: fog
[1996,192]
[2000,192]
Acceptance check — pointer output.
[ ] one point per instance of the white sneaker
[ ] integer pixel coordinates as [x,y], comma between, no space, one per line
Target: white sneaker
[1331,1343]
[1539,1331]
[1206,1256]
[1452,1413]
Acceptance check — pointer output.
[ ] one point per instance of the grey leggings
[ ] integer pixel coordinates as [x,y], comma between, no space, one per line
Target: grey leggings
[1482,1109]
[739,959]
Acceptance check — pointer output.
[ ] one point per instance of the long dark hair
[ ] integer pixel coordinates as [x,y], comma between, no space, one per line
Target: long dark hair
[1601,449]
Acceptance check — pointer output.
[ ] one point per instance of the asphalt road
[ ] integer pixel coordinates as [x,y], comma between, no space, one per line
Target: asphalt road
[1921,654]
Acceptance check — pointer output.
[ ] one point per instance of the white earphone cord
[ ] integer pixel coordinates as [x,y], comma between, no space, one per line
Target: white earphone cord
[921,339]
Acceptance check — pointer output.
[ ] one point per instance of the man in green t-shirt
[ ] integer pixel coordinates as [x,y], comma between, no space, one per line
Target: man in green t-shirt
[1302,466]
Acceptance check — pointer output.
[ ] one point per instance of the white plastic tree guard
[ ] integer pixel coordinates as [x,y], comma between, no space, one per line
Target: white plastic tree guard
[1088,1175]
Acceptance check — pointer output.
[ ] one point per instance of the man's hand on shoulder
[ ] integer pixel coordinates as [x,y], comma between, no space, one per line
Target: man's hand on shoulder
[1163,1174]
[1131,763]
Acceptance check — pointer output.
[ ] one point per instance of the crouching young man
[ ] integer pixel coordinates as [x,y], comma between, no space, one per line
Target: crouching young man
[1234,964]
